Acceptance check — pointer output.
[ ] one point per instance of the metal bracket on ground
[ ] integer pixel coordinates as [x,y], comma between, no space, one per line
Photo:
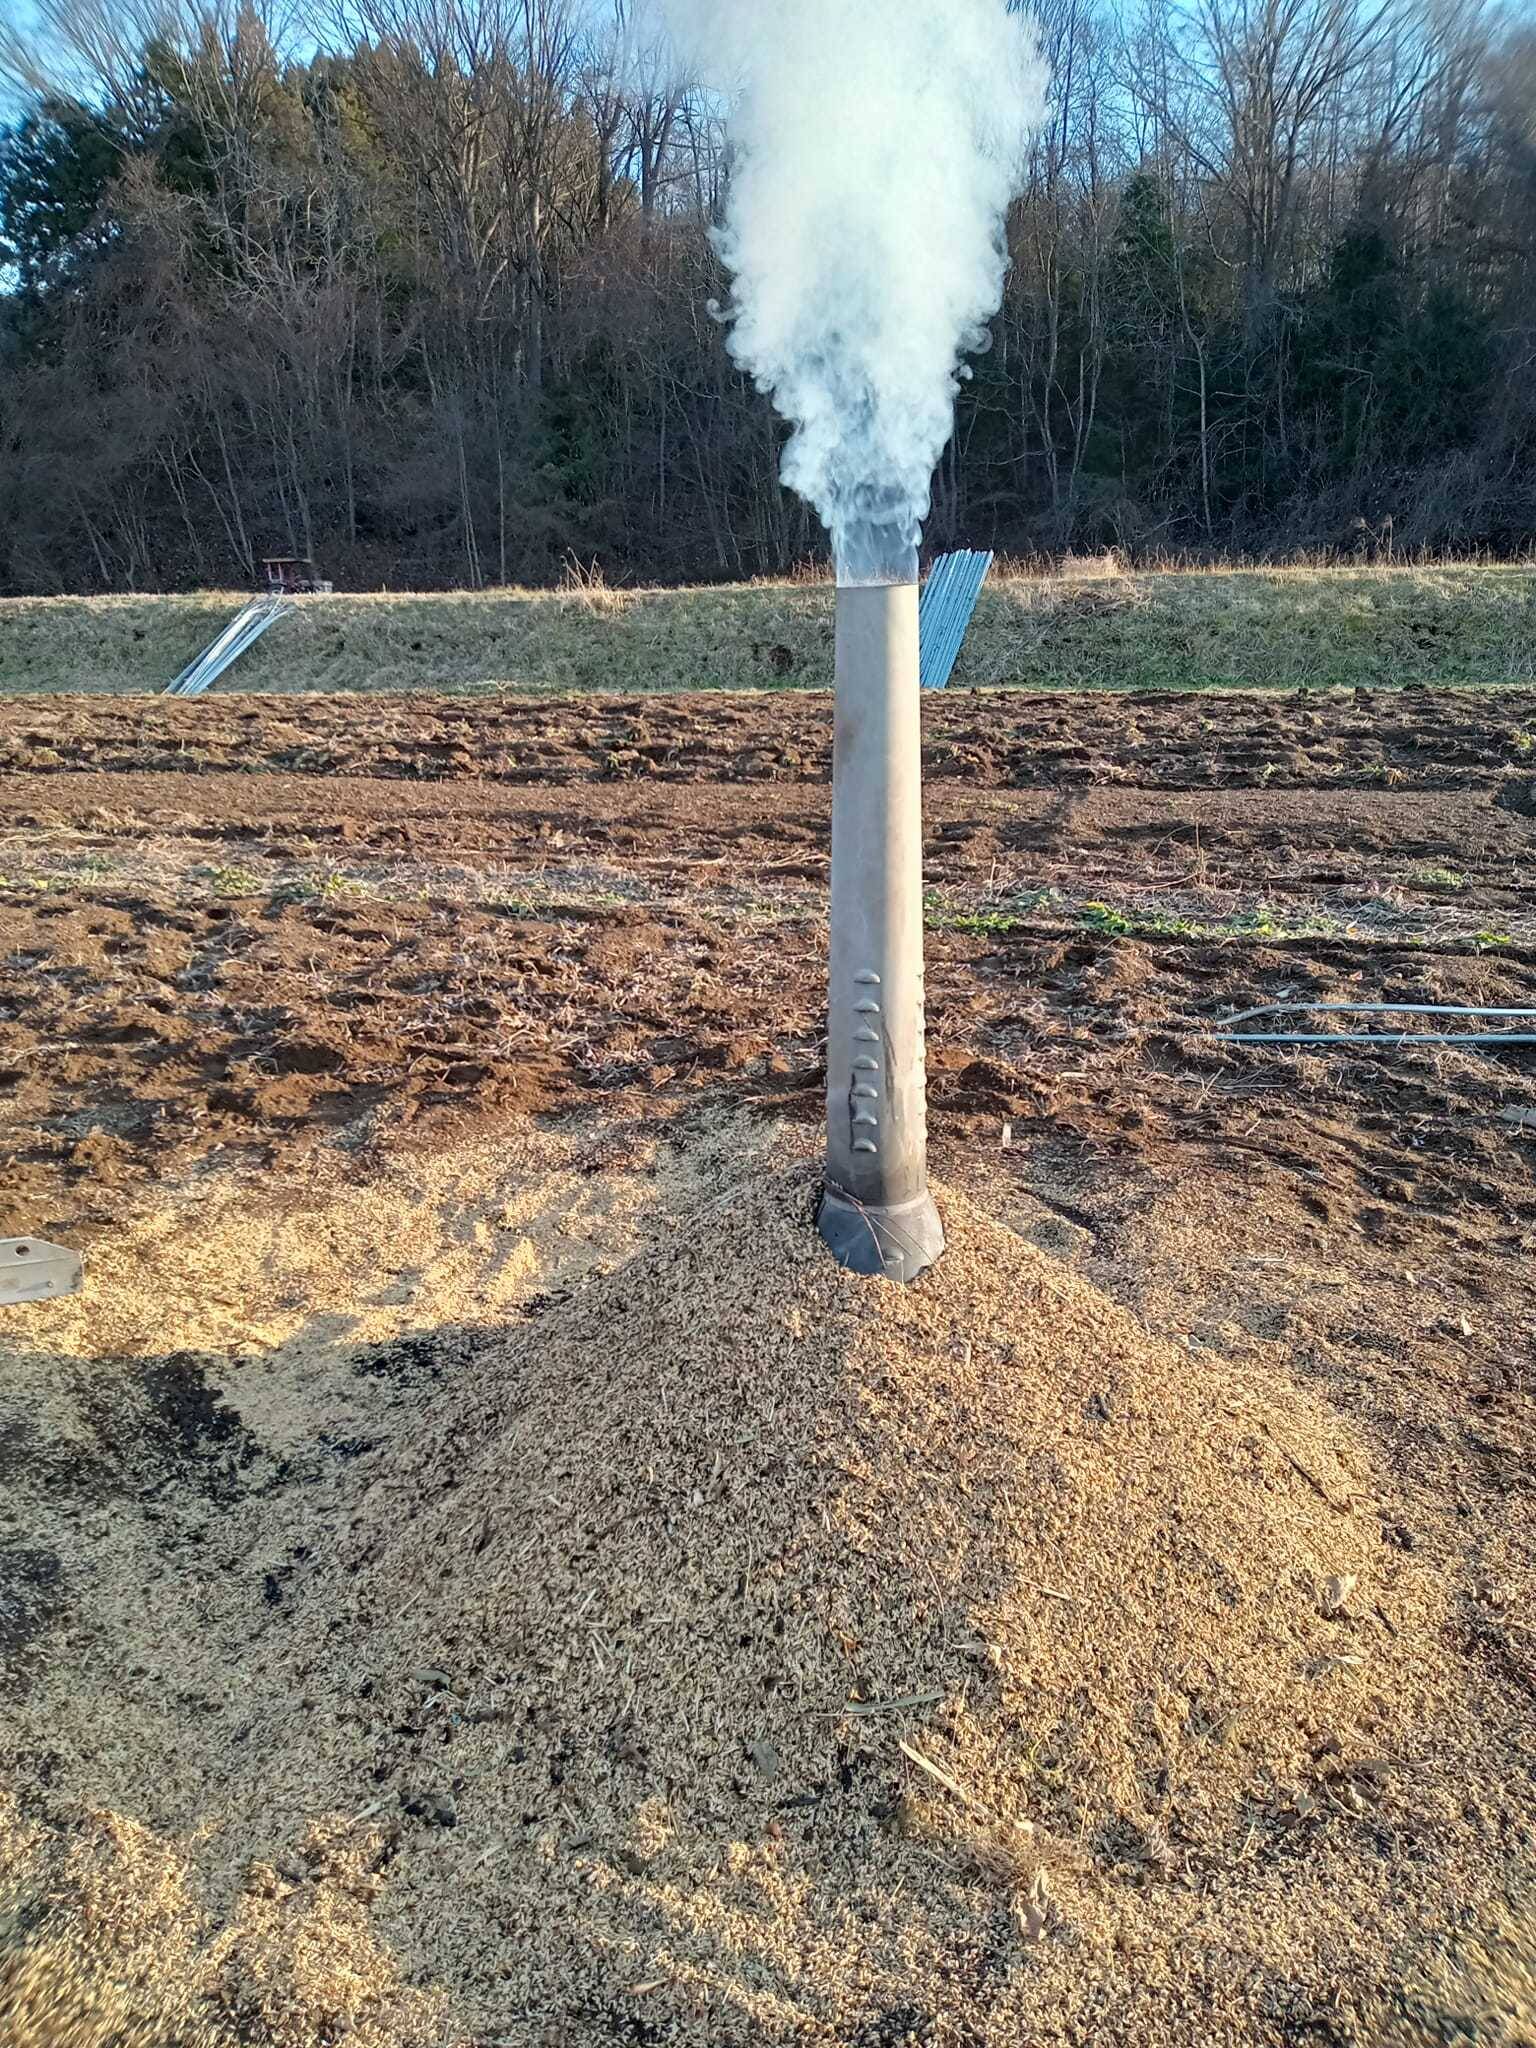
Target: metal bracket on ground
[31,1270]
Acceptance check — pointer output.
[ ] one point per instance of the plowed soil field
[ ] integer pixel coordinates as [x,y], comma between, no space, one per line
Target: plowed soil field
[253,945]
[245,928]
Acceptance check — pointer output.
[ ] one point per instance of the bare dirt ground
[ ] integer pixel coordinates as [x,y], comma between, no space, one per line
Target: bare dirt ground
[312,930]
[301,960]
[1408,738]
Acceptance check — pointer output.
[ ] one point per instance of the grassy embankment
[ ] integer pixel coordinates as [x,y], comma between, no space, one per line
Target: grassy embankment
[1230,629]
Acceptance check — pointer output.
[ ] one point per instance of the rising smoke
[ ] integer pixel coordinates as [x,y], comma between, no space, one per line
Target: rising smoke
[877,145]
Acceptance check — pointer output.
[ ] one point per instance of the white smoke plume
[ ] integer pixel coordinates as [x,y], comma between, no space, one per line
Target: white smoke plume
[877,146]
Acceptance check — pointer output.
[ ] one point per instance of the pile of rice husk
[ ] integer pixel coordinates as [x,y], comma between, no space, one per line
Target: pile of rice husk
[741,1652]
[103,1944]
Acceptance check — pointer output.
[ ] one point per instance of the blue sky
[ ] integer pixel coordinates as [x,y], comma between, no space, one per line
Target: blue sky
[13,14]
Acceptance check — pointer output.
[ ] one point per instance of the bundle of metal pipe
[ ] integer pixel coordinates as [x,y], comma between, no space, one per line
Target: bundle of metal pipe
[945,612]
[237,638]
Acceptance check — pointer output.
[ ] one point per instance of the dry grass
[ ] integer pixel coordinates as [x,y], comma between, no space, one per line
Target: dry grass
[1088,626]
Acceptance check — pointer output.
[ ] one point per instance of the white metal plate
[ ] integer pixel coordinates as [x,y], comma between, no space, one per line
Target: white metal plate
[31,1270]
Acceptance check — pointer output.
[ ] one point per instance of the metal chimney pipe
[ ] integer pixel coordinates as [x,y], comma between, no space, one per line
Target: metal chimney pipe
[877,1215]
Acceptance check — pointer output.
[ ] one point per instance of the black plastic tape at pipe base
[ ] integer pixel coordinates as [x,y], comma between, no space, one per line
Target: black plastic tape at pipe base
[899,1243]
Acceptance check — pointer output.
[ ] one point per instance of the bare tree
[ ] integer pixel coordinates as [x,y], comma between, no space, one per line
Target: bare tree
[1244,88]
[95,49]
[434,299]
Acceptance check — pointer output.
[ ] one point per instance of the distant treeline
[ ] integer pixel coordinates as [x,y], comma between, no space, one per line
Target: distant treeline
[436,305]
